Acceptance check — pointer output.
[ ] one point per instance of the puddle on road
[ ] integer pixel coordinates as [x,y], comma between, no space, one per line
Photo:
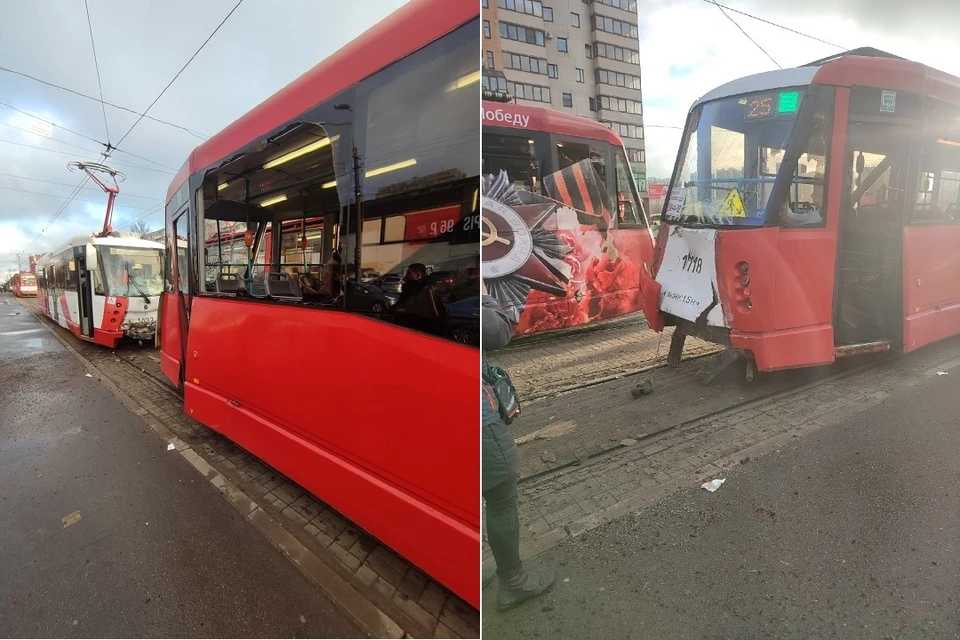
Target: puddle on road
[37,343]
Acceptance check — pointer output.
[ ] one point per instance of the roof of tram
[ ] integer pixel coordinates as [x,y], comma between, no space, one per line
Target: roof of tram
[409,28]
[865,66]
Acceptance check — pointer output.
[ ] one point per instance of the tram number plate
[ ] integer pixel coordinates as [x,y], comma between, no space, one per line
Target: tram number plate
[692,263]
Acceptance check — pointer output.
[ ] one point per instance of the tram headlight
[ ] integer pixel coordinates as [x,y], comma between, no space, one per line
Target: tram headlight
[744,280]
[743,267]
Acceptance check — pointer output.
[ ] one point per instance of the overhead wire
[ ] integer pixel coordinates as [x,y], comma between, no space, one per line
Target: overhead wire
[53,195]
[96,65]
[182,69]
[77,133]
[67,153]
[106,102]
[747,35]
[774,24]
[64,184]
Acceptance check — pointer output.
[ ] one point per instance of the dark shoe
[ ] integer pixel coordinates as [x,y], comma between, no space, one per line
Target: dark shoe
[525,586]
[488,576]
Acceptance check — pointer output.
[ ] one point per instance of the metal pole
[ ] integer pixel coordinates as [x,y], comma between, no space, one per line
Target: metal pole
[357,197]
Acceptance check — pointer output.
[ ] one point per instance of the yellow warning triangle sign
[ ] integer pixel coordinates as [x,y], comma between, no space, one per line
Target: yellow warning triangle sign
[732,206]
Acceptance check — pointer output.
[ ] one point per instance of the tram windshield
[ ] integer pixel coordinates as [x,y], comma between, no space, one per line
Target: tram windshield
[732,152]
[132,271]
[28,281]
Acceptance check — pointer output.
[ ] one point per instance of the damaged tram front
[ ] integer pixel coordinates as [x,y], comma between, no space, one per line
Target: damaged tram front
[812,214]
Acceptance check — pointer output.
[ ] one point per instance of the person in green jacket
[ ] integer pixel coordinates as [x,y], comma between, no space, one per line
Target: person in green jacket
[501,463]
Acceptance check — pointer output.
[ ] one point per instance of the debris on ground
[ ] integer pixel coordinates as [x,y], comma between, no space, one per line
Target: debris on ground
[70,519]
[942,373]
[548,457]
[170,447]
[714,484]
[628,442]
[88,375]
[642,388]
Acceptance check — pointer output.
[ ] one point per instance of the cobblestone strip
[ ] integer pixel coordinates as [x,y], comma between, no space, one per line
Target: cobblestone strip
[557,507]
[300,524]
[554,363]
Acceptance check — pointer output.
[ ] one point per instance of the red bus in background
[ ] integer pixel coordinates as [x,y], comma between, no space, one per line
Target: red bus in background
[24,284]
[813,214]
[373,411]
[565,236]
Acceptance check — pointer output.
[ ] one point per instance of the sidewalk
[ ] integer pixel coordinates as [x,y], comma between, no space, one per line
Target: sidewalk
[420,606]
[543,365]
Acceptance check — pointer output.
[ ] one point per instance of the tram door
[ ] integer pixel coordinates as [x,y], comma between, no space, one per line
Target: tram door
[84,296]
[868,302]
[49,291]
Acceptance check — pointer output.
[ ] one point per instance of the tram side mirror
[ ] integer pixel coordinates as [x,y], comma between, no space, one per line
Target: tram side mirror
[860,163]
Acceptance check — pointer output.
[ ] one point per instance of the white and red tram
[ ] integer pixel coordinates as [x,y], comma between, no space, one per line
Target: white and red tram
[103,288]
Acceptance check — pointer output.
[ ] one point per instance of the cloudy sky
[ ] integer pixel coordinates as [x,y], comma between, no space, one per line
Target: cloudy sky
[688,47]
[140,47]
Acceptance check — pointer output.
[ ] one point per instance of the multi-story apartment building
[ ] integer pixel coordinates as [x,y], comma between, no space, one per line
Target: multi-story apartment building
[580,56]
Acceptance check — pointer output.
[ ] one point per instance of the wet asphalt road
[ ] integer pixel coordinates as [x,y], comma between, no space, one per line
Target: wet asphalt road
[156,551]
[851,532]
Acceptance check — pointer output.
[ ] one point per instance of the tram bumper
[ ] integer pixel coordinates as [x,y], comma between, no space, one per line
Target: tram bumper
[141,329]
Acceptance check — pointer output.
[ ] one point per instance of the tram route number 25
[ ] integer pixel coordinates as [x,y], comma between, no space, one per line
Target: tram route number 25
[692,263]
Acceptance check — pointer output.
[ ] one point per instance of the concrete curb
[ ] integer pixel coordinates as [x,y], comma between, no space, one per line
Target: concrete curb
[368,616]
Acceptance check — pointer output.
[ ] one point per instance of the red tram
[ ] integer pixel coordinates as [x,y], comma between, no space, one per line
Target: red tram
[373,411]
[565,236]
[24,284]
[813,214]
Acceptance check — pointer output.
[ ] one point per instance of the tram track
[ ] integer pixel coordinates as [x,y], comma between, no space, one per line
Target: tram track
[875,362]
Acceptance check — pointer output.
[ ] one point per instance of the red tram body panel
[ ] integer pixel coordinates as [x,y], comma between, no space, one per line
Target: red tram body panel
[372,412]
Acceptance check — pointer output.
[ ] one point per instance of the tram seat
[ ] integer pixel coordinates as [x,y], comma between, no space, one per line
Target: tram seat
[280,285]
[229,283]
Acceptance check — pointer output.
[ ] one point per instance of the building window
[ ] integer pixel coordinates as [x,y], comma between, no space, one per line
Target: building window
[490,59]
[622,105]
[636,156]
[562,45]
[552,71]
[495,84]
[486,28]
[568,99]
[575,19]
[522,34]
[486,4]
[529,92]
[521,62]
[619,27]
[589,51]
[529,7]
[626,5]
[613,52]
[593,103]
[547,14]
[618,79]
[579,75]
[634,131]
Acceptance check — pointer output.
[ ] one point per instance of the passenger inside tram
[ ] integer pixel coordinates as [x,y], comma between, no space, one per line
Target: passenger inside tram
[276,224]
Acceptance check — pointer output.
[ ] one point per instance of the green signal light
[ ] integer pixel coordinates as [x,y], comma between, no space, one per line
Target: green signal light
[789,102]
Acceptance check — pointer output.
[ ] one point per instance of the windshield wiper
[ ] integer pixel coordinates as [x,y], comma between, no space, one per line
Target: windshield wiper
[133,279]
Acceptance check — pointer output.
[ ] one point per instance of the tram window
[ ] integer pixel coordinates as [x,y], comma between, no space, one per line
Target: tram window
[517,156]
[938,191]
[629,209]
[419,118]
[98,284]
[570,153]
[804,202]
